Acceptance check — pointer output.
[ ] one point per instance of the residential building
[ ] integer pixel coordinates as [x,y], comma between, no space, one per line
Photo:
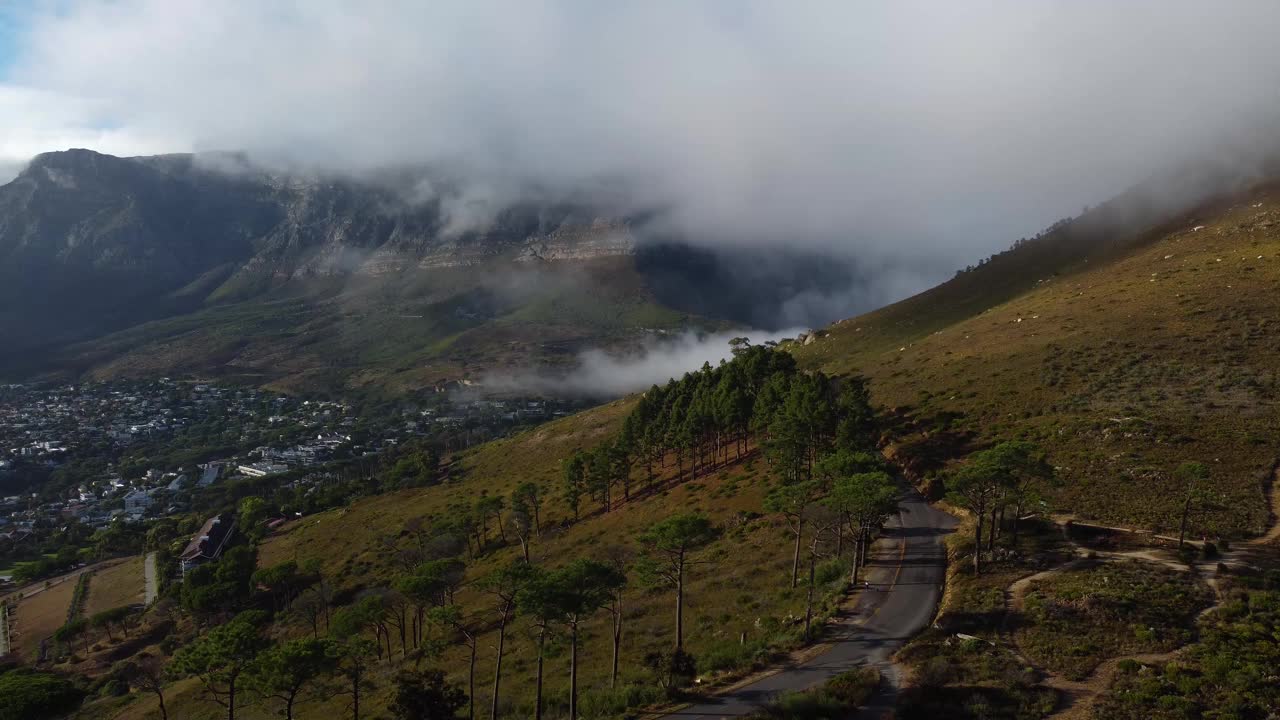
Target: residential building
[137,501]
[207,544]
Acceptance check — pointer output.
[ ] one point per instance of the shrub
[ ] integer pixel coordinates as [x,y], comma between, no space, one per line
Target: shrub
[672,670]
[829,571]
[732,655]
[614,702]
[855,687]
[834,701]
[814,705]
[32,695]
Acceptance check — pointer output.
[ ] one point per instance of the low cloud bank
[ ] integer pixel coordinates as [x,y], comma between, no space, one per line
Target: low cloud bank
[599,374]
[911,135]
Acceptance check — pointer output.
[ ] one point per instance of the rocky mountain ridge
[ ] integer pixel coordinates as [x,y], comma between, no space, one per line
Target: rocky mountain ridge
[207,264]
[99,239]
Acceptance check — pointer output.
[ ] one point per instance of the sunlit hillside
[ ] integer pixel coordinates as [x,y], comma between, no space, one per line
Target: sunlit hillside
[1122,368]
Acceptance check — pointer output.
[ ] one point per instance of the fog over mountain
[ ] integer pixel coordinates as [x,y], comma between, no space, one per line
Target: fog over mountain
[596,373]
[910,136]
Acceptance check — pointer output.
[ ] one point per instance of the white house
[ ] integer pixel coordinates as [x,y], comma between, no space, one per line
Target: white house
[137,501]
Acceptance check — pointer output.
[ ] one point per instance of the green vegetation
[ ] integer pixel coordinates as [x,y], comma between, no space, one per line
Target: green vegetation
[535,613]
[1121,352]
[79,596]
[834,700]
[45,567]
[220,658]
[396,333]
[1007,476]
[426,697]
[983,679]
[30,695]
[1230,673]
[109,620]
[956,678]
[1074,620]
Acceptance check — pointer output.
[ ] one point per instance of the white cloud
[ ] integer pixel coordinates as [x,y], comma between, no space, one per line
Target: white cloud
[598,373]
[906,133]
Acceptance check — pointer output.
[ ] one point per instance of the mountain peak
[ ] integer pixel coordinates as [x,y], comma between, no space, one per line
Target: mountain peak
[71,157]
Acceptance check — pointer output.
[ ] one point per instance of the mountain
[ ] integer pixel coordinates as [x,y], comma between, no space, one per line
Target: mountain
[1125,349]
[205,264]
[1124,342]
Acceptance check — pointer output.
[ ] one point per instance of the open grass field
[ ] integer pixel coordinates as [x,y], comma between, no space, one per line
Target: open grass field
[1122,368]
[38,614]
[115,586]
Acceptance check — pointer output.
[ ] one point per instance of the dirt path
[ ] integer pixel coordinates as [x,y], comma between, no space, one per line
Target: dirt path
[1077,697]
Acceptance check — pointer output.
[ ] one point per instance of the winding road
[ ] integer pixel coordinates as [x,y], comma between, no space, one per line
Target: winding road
[905,579]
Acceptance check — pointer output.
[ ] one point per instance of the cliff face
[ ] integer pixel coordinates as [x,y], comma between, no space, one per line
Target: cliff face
[90,241]
[183,264]
[601,237]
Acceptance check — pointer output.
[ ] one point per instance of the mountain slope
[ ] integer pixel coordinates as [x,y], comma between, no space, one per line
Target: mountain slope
[1150,345]
[206,265]
[1148,351]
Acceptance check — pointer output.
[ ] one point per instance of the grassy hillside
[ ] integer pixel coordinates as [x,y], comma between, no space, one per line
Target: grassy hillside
[39,613]
[1145,354]
[737,613]
[392,333]
[116,586]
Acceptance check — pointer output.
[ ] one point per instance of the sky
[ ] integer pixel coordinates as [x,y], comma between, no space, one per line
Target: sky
[913,136]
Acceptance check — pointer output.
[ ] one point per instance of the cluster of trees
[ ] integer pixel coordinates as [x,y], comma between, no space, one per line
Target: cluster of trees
[30,695]
[989,482]
[493,521]
[72,543]
[108,622]
[63,560]
[242,608]
[818,434]
[849,491]
[716,415]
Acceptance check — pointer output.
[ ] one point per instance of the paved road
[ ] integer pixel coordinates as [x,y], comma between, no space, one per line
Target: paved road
[906,584]
[149,579]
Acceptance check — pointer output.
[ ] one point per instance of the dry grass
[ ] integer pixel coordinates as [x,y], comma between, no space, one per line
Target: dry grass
[39,614]
[745,590]
[1121,369]
[115,586]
